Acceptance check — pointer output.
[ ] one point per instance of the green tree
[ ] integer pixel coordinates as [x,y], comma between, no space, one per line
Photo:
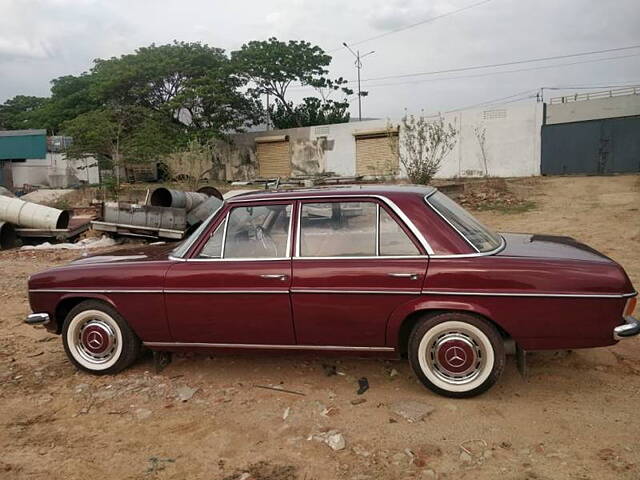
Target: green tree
[22,112]
[273,66]
[192,84]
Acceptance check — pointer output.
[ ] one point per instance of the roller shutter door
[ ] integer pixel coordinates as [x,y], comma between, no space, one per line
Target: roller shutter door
[273,158]
[374,155]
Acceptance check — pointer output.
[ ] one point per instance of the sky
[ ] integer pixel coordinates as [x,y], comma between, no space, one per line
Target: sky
[44,39]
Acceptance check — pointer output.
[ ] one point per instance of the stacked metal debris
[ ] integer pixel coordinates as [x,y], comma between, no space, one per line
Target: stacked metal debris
[170,214]
[20,218]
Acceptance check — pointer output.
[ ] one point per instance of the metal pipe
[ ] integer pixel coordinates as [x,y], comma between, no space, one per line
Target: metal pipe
[8,237]
[165,197]
[32,215]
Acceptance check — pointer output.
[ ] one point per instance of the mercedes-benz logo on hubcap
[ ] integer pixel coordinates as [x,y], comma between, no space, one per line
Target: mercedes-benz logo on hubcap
[455,356]
[94,340]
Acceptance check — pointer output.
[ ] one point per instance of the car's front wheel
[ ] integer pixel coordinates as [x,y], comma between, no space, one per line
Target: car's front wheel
[98,340]
[456,354]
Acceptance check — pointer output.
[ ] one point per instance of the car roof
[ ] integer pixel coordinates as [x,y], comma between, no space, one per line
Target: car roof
[334,190]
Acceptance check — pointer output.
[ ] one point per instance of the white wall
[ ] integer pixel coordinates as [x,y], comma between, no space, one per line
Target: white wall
[55,171]
[512,142]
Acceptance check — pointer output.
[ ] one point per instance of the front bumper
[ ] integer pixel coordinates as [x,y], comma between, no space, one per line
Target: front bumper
[630,328]
[37,319]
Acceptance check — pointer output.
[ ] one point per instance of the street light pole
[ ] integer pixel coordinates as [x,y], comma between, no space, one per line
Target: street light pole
[358,67]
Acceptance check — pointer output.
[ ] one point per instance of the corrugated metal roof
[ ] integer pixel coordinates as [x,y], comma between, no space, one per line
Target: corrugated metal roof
[21,133]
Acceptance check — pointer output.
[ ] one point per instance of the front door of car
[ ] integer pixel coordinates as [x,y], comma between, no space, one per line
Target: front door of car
[235,289]
[354,264]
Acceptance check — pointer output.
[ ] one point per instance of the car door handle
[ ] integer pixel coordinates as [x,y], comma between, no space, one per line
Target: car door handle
[275,276]
[411,276]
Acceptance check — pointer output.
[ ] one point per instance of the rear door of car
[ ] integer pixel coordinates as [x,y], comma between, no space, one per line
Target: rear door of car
[235,289]
[355,262]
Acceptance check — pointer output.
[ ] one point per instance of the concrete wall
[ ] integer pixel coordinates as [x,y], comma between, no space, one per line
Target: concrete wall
[622,106]
[55,171]
[512,145]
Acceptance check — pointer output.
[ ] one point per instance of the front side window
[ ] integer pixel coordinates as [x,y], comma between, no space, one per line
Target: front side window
[256,232]
[351,229]
[479,236]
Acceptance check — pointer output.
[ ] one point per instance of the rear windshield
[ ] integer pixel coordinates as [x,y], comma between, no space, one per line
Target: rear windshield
[476,234]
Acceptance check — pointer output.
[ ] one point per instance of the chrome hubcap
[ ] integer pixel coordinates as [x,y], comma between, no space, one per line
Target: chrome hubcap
[455,357]
[95,341]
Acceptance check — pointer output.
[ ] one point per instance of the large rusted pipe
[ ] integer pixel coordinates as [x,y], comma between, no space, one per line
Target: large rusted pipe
[165,197]
[8,238]
[32,215]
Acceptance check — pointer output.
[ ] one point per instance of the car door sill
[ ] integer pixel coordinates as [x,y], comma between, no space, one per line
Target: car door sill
[267,347]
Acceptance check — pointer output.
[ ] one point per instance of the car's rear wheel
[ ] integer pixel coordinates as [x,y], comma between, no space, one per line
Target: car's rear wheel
[98,340]
[456,354]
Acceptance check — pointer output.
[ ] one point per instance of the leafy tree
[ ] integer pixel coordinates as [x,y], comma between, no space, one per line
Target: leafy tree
[312,111]
[273,65]
[192,84]
[21,112]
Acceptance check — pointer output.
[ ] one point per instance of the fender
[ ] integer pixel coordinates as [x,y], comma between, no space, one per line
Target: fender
[400,314]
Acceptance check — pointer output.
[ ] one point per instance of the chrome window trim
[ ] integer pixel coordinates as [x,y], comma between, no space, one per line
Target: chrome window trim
[509,294]
[390,257]
[503,244]
[269,347]
[478,252]
[401,215]
[377,247]
[194,238]
[224,240]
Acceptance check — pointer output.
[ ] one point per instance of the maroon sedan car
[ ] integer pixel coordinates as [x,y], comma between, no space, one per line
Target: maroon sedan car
[378,270]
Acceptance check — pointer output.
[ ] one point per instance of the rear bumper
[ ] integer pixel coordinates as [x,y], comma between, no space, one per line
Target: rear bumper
[37,319]
[630,328]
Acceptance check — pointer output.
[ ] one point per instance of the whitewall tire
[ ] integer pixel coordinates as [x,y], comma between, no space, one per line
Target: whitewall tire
[98,340]
[456,354]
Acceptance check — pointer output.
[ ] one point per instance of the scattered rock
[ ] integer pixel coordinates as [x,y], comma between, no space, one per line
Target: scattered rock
[142,413]
[393,373]
[285,415]
[334,439]
[411,410]
[185,393]
[358,401]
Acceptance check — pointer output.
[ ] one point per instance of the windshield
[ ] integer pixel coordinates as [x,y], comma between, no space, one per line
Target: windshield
[181,250]
[477,235]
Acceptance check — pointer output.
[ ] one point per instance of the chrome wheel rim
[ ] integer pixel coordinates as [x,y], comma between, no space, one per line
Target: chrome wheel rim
[455,357]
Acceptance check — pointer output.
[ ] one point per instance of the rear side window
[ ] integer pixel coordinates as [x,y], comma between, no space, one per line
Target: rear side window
[338,229]
[351,229]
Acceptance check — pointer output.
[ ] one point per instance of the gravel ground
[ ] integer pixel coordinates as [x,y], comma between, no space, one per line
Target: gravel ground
[574,417]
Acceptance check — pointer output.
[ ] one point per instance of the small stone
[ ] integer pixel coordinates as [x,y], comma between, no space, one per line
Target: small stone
[411,410]
[335,440]
[393,373]
[142,413]
[185,393]
[82,387]
[465,457]
[358,401]
[487,454]
[428,473]
[286,413]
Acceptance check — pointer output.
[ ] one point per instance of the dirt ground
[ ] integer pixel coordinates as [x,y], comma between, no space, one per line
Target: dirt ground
[575,417]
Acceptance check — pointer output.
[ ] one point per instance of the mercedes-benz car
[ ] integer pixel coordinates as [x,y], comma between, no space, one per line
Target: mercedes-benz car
[398,271]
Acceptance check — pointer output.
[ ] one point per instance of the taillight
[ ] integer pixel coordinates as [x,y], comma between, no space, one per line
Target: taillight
[630,306]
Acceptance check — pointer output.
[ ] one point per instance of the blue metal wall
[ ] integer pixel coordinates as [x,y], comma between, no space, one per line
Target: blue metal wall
[610,145]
